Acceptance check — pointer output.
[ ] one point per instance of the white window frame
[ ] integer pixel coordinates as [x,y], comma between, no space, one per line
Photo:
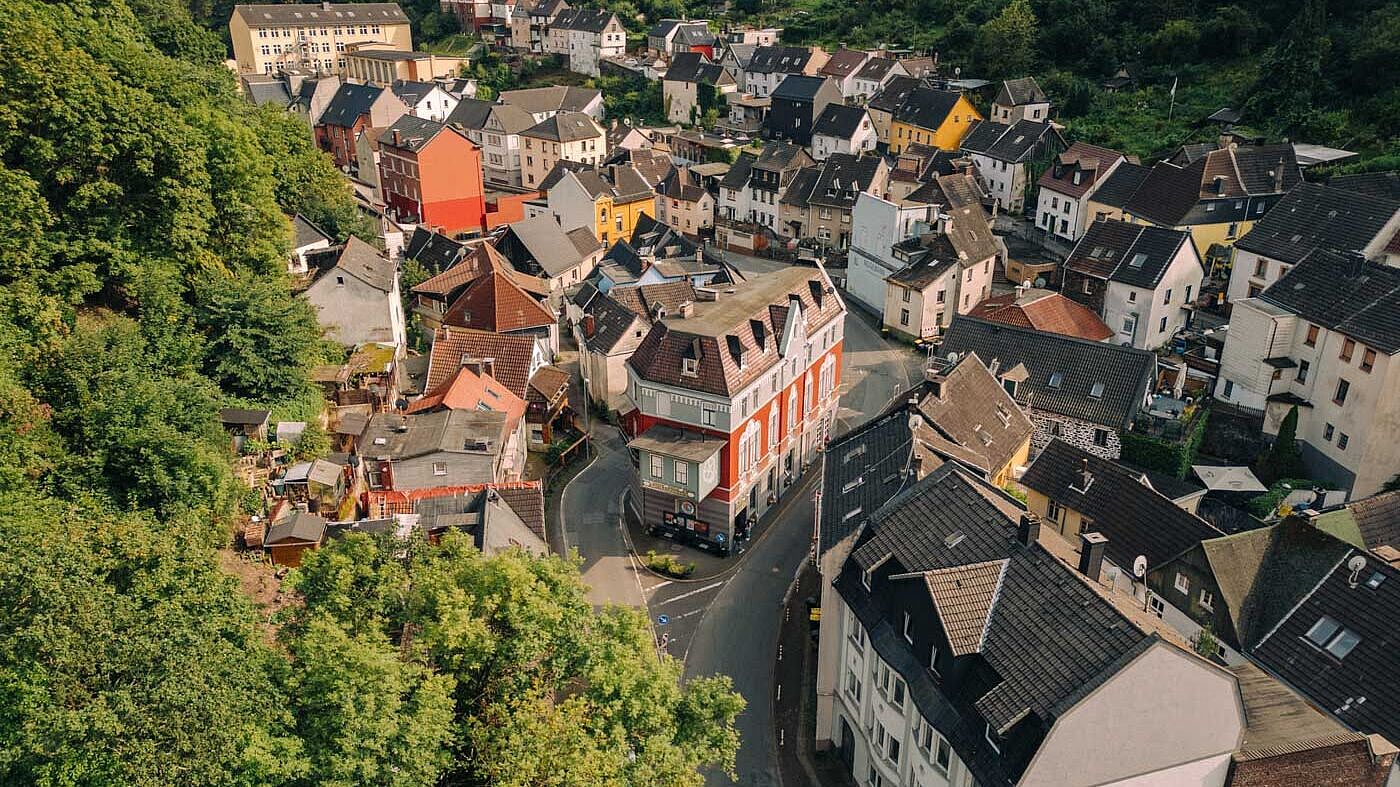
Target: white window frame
[1182,584]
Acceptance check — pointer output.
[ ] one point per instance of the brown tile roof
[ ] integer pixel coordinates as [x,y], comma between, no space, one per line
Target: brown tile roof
[527,501]
[964,596]
[467,390]
[735,338]
[479,262]
[1092,160]
[1044,310]
[495,303]
[644,299]
[1378,519]
[547,383]
[510,356]
[1169,192]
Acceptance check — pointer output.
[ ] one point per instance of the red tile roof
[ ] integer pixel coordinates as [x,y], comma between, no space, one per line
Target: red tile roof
[1044,311]
[495,303]
[467,390]
[509,355]
[547,383]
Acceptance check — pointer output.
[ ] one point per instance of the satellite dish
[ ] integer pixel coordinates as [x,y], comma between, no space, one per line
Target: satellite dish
[1140,566]
[1356,565]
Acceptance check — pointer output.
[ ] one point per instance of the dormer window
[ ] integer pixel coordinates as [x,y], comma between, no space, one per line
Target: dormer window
[1078,177]
[690,367]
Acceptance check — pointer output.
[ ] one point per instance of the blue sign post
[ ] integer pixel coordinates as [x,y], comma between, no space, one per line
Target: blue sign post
[662,620]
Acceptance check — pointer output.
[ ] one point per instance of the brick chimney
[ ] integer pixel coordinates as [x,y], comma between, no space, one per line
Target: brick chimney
[589,326]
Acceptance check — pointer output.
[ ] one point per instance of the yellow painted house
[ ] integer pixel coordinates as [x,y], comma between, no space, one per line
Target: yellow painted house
[1216,195]
[608,200]
[929,116]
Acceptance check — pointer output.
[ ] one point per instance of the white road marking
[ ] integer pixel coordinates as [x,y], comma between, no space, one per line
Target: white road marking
[688,595]
[685,615]
[659,585]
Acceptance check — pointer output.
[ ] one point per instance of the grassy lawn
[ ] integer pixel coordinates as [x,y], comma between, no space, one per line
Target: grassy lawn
[459,45]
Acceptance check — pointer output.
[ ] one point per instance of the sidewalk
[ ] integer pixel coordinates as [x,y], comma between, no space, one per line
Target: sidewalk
[707,564]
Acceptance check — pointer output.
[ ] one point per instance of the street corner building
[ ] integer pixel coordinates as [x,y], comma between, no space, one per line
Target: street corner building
[731,397]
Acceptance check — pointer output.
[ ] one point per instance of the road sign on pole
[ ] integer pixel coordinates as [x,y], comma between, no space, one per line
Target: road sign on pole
[662,620]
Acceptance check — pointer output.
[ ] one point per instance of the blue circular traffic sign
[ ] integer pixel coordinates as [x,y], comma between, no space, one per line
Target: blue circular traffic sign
[663,619]
[719,537]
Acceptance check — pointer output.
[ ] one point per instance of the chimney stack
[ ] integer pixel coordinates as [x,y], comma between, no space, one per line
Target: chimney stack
[588,325]
[1085,477]
[1278,177]
[396,137]
[1091,547]
[1028,530]
[686,309]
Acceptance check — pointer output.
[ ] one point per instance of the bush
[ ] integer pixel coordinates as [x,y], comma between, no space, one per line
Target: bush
[1262,506]
[1172,457]
[669,565]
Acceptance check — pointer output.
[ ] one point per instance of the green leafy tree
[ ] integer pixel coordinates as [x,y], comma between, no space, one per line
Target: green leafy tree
[1292,79]
[548,690]
[1006,43]
[126,657]
[260,341]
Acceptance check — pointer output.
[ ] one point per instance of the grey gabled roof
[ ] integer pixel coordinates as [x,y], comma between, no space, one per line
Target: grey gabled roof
[411,133]
[410,91]
[1121,185]
[1313,216]
[1049,638]
[876,68]
[861,472]
[1015,92]
[592,20]
[348,103]
[471,113]
[565,127]
[267,91]
[1011,143]
[304,233]
[693,67]
[1137,255]
[798,87]
[1367,672]
[297,526]
[839,120]
[895,91]
[1077,364]
[356,258]
[777,59]
[551,99]
[1136,519]
[927,107]
[1346,294]
[738,175]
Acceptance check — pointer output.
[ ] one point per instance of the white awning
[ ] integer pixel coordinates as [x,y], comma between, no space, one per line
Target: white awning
[1228,479]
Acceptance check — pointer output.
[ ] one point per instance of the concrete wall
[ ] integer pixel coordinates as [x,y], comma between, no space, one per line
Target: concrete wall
[1196,721]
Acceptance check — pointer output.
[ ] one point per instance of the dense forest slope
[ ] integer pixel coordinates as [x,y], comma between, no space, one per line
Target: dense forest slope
[142,286]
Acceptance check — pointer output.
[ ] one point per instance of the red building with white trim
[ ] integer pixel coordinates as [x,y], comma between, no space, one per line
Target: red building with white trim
[430,174]
[734,395]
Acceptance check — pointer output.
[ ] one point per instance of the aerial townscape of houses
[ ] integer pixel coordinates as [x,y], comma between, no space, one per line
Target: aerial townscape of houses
[1068,554]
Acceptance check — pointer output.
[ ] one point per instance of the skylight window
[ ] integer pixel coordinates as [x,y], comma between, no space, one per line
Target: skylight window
[1056,380]
[1138,260]
[1096,392]
[1329,635]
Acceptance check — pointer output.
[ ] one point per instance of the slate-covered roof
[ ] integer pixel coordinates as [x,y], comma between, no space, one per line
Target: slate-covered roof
[1064,371]
[779,154]
[544,241]
[433,251]
[349,103]
[402,437]
[1374,184]
[612,323]
[954,190]
[551,99]
[833,183]
[1137,255]
[776,59]
[565,127]
[304,233]
[895,91]
[1136,519]
[738,175]
[267,91]
[1091,161]
[1313,216]
[358,259]
[411,133]
[875,69]
[471,113]
[1043,310]
[644,300]
[1050,638]
[839,120]
[1121,185]
[735,338]
[861,471]
[510,356]
[693,67]
[495,303]
[590,20]
[927,107]
[1010,143]
[1015,92]
[1169,192]
[621,182]
[1361,687]
[798,87]
[1346,294]
[299,14]
[411,91]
